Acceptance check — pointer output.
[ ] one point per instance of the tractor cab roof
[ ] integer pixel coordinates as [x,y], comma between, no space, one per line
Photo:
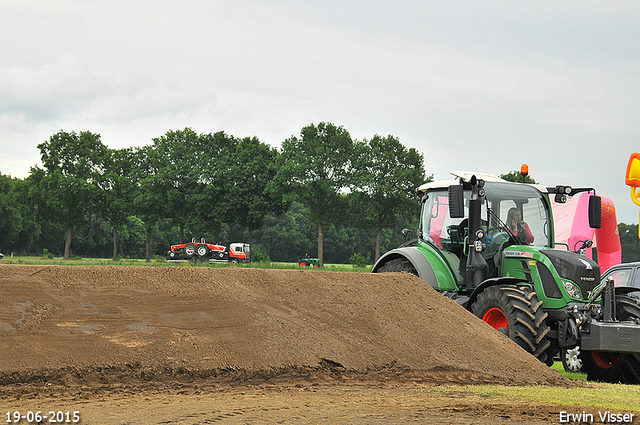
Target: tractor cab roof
[466,176]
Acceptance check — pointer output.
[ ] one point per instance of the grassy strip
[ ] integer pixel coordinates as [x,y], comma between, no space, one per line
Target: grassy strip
[161,262]
[617,398]
[573,376]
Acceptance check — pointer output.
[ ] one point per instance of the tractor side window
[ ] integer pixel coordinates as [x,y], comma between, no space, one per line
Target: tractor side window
[531,212]
[505,206]
[636,280]
[444,232]
[437,226]
[621,277]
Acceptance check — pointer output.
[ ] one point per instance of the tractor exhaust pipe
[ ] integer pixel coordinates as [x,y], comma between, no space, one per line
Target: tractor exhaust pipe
[477,267]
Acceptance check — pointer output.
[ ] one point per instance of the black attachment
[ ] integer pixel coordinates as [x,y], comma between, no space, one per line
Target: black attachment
[456,201]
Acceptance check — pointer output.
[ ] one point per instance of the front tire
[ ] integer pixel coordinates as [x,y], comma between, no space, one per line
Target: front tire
[202,250]
[615,367]
[518,314]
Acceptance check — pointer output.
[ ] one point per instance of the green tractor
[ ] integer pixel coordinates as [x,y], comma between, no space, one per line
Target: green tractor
[488,244]
[309,262]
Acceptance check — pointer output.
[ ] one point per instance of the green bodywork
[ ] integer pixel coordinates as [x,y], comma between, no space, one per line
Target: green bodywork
[444,271]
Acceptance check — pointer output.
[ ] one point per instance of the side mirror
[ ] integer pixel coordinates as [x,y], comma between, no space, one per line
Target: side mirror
[595,212]
[406,233]
[456,201]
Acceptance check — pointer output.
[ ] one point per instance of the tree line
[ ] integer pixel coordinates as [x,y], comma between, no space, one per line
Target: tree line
[353,194]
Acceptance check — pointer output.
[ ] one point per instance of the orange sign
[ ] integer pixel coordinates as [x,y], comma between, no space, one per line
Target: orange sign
[632,178]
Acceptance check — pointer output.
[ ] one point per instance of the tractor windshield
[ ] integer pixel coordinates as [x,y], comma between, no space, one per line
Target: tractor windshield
[511,212]
[523,209]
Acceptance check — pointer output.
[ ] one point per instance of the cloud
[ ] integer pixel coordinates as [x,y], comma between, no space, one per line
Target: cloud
[471,85]
[47,91]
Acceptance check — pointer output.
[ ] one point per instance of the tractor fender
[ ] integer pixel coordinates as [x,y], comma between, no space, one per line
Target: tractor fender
[493,282]
[416,258]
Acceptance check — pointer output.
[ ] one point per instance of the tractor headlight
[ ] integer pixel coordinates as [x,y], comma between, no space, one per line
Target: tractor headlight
[572,289]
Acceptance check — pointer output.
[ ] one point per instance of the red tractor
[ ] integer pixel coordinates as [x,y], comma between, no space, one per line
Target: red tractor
[208,252]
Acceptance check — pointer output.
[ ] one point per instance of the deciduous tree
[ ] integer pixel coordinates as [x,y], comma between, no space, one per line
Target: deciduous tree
[174,162]
[117,185]
[72,163]
[254,170]
[387,176]
[314,168]
[11,219]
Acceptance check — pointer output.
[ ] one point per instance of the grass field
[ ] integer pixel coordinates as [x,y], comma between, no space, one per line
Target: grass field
[161,262]
[598,396]
[616,398]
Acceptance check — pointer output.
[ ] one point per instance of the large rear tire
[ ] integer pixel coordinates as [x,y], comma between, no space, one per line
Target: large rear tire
[518,314]
[615,367]
[398,265]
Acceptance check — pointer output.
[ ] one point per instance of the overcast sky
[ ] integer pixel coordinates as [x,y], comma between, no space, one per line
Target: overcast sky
[473,85]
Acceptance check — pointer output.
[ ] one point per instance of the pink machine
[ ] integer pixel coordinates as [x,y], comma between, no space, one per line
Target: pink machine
[572,227]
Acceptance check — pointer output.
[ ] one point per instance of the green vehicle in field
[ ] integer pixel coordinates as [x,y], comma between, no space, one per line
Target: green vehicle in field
[309,262]
[488,244]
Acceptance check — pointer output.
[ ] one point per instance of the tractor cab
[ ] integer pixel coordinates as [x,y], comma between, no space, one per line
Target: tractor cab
[510,214]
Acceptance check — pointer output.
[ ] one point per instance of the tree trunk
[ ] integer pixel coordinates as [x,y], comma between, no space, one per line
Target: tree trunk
[320,245]
[115,244]
[67,245]
[378,243]
[148,254]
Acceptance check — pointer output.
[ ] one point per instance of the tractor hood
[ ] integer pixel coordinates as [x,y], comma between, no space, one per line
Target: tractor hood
[581,270]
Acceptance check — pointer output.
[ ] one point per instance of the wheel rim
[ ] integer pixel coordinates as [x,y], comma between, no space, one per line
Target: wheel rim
[302,264]
[496,318]
[572,359]
[605,360]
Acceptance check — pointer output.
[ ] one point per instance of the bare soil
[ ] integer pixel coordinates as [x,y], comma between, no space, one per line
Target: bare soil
[152,345]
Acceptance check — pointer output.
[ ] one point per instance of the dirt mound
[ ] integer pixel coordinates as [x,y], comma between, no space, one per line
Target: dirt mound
[109,324]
